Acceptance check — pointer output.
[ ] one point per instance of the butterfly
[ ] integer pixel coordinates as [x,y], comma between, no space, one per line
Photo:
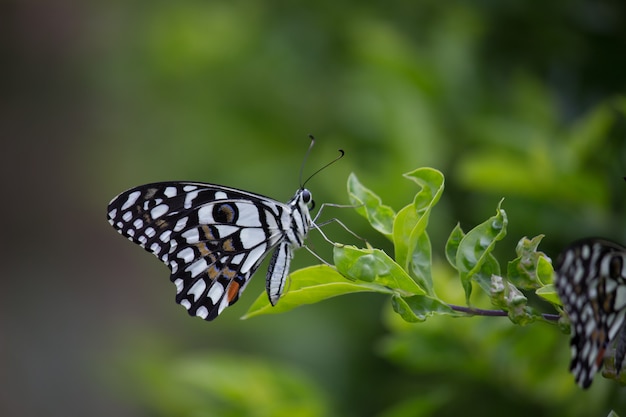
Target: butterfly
[213,238]
[591,283]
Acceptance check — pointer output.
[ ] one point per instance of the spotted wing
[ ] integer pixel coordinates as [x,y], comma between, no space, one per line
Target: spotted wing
[591,282]
[211,237]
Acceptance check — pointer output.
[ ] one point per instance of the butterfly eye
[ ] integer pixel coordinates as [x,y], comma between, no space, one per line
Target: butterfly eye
[308,199]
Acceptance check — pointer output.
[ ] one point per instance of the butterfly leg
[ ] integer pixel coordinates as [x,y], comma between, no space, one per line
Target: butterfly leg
[346,228]
[312,252]
[324,205]
[318,228]
[335,220]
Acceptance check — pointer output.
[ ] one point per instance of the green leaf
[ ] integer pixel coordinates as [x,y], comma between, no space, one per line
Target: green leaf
[545,270]
[370,206]
[411,243]
[452,245]
[403,226]
[311,285]
[497,293]
[611,371]
[475,249]
[548,293]
[487,270]
[432,183]
[374,265]
[508,297]
[531,269]
[418,308]
[517,306]
[421,263]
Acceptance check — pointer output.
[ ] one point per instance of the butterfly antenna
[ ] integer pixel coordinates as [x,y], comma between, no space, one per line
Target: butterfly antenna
[341,154]
[306,156]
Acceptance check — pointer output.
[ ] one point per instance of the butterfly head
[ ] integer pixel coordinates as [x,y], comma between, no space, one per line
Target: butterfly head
[303,200]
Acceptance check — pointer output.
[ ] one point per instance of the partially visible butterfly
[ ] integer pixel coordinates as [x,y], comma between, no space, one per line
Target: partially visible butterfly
[213,238]
[591,282]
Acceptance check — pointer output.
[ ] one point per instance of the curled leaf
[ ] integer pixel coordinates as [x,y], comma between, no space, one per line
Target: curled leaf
[411,242]
[370,206]
[532,268]
[475,249]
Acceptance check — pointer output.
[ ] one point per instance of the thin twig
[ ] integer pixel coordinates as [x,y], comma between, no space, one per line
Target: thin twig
[495,313]
[478,311]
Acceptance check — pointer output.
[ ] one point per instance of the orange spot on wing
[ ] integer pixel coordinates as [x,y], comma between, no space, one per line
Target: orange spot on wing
[600,357]
[233,291]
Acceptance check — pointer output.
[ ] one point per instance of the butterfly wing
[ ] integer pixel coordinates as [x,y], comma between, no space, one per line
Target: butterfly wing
[211,237]
[277,271]
[590,280]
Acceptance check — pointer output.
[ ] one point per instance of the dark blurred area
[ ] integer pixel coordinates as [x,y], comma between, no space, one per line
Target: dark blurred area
[516,99]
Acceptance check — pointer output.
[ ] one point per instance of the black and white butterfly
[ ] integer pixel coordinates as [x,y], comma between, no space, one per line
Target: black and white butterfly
[213,238]
[591,283]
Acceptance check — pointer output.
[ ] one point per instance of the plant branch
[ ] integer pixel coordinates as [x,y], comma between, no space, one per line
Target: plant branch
[495,313]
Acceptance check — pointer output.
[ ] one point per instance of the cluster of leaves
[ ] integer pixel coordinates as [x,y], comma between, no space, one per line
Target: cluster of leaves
[407,277]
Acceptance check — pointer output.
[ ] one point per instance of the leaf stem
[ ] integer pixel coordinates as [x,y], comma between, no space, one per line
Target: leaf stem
[495,313]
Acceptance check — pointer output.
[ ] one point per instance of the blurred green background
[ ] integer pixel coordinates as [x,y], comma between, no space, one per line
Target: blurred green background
[515,99]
